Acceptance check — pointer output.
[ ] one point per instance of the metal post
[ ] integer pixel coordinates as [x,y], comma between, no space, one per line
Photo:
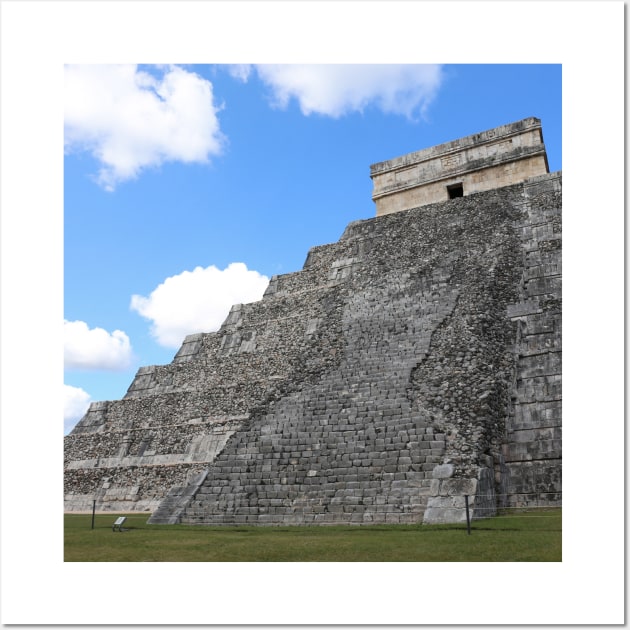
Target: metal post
[93,511]
[467,514]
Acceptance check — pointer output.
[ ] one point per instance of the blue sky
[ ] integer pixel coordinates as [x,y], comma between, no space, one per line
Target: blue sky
[172,174]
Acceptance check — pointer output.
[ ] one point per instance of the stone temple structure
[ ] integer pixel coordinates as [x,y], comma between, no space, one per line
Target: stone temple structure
[412,363]
[499,157]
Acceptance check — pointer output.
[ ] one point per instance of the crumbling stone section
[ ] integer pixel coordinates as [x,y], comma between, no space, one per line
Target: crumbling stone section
[465,383]
[411,363]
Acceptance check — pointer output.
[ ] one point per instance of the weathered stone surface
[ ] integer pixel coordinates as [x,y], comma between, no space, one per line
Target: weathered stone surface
[413,362]
[443,471]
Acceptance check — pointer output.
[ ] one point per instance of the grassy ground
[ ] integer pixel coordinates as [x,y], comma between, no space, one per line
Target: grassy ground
[532,536]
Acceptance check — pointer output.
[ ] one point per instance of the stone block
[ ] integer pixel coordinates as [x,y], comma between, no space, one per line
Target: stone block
[458,487]
[443,471]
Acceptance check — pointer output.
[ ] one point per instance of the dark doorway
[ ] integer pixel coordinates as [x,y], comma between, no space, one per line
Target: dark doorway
[456,190]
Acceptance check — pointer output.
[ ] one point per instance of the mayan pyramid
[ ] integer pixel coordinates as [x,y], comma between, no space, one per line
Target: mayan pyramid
[411,364]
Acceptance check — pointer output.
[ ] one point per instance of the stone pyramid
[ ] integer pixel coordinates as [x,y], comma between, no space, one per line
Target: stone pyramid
[415,362]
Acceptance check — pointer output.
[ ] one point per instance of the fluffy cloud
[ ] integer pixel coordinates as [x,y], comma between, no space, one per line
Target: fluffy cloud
[94,348]
[75,403]
[335,90]
[198,300]
[130,120]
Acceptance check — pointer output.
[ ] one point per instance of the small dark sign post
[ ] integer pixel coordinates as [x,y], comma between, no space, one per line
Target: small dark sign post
[93,511]
[467,514]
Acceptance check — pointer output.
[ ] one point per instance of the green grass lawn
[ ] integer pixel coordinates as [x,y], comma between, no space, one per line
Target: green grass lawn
[532,536]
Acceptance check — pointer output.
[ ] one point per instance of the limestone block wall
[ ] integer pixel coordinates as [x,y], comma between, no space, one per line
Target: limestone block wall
[412,362]
[533,448]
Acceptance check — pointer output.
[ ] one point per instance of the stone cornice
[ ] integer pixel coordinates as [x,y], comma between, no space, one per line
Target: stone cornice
[498,134]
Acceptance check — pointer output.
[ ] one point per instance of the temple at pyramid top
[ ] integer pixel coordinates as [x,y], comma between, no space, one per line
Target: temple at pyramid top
[506,155]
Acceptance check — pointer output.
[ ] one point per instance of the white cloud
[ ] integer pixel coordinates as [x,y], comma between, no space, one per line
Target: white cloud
[335,90]
[241,71]
[94,348]
[130,120]
[75,403]
[198,300]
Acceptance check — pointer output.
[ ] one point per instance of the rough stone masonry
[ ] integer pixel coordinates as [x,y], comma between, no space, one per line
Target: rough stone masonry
[414,362]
